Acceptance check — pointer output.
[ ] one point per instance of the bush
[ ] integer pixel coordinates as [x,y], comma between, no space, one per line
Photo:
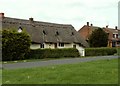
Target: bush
[14,45]
[52,53]
[100,51]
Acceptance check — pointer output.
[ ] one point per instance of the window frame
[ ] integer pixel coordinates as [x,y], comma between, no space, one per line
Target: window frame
[61,44]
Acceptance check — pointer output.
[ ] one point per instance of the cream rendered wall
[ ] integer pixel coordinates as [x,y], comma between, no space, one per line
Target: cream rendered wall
[65,46]
[49,45]
[68,45]
[34,46]
[52,46]
[80,49]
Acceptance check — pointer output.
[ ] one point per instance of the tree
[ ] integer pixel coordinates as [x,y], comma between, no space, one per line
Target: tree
[98,38]
[14,45]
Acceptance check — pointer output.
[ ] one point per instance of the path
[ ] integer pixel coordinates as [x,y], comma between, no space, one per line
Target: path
[54,62]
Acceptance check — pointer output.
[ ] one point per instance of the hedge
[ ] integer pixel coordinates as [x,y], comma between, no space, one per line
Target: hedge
[14,45]
[100,51]
[52,53]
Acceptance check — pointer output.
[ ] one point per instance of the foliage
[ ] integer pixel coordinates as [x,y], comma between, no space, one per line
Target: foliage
[100,51]
[14,45]
[52,53]
[98,38]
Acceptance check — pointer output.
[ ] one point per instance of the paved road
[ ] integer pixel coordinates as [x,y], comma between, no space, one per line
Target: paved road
[54,62]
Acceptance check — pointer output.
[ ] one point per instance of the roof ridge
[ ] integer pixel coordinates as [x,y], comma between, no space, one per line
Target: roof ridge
[40,22]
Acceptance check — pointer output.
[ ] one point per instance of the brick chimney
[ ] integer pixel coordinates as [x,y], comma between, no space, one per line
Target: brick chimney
[106,26]
[87,23]
[31,19]
[116,28]
[1,15]
[91,24]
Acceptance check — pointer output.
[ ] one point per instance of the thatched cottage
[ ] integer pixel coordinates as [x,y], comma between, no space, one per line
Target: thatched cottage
[46,35]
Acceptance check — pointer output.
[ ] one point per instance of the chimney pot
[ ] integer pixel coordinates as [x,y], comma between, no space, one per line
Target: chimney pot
[91,24]
[87,23]
[31,19]
[116,27]
[1,15]
[106,26]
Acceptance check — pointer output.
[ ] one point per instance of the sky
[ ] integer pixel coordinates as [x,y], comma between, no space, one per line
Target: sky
[76,12]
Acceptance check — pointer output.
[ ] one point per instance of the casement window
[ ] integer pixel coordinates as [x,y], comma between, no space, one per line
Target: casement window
[116,35]
[61,44]
[57,33]
[113,35]
[72,33]
[44,32]
[42,46]
[20,29]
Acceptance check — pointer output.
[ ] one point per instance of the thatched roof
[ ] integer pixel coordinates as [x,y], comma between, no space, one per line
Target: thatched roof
[41,32]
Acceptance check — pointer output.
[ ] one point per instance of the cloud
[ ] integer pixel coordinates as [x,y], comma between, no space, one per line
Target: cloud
[75,12]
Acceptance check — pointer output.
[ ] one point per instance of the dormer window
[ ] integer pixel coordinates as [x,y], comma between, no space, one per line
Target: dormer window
[44,32]
[57,33]
[20,29]
[72,33]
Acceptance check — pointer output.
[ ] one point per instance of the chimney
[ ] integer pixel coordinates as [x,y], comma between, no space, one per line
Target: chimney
[106,26]
[116,27]
[87,23]
[1,15]
[31,19]
[91,24]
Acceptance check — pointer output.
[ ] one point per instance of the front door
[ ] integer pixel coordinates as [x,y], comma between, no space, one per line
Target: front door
[74,46]
[55,45]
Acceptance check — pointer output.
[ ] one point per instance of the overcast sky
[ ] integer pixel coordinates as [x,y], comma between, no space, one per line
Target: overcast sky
[75,12]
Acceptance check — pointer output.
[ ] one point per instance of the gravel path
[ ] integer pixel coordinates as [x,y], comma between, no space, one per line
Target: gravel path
[54,62]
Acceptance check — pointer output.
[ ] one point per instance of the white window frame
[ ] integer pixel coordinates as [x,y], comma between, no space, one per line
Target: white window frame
[61,44]
[42,45]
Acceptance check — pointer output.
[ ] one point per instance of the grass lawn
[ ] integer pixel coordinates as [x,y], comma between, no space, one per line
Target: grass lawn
[95,72]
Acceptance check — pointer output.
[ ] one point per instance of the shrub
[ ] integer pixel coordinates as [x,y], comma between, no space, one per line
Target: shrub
[52,53]
[14,45]
[100,51]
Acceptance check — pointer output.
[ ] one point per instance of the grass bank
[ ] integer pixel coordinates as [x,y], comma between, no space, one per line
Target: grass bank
[95,72]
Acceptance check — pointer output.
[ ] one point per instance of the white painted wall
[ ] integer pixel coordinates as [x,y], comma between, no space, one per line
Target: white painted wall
[80,49]
[49,45]
[52,46]
[34,46]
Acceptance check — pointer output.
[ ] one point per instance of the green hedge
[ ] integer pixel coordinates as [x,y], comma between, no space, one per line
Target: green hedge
[52,53]
[14,45]
[100,51]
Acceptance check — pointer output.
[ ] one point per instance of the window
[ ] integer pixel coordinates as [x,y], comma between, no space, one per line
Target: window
[41,45]
[116,35]
[20,29]
[61,44]
[57,33]
[113,35]
[44,32]
[74,46]
[72,33]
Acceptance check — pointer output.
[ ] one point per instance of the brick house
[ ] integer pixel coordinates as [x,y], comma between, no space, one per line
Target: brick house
[45,34]
[113,40]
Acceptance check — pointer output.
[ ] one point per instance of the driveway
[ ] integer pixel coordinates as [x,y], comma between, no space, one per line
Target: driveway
[54,62]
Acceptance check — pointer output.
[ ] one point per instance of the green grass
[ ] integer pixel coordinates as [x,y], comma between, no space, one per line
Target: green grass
[95,72]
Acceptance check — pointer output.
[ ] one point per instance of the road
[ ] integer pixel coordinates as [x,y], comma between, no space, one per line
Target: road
[54,62]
